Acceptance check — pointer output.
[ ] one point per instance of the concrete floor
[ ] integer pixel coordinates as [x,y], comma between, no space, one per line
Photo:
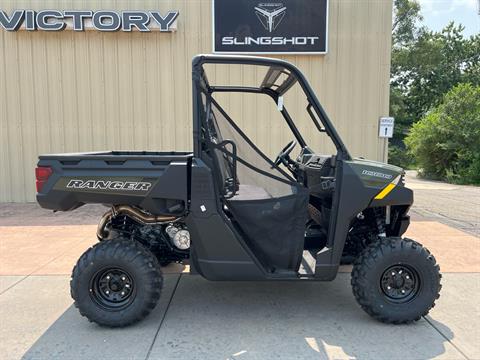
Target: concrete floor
[198,319]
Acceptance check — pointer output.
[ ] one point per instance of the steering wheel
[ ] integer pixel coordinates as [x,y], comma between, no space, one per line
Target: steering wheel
[283,157]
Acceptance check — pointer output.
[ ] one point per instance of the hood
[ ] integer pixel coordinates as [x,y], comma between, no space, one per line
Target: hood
[374,173]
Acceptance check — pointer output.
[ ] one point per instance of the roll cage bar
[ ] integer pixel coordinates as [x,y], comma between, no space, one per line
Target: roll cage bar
[269,87]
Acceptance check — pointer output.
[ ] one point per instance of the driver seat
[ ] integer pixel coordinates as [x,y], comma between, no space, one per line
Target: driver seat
[251,192]
[243,191]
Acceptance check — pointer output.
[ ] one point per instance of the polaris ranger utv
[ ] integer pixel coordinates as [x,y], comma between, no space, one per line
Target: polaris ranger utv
[233,213]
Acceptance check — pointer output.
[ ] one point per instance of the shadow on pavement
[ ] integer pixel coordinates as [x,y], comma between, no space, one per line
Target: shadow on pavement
[73,337]
[247,320]
[287,320]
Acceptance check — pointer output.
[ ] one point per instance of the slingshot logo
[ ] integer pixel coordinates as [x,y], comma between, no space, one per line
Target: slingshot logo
[270,14]
[270,26]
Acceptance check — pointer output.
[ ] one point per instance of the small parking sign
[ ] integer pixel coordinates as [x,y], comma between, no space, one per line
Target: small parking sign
[385,128]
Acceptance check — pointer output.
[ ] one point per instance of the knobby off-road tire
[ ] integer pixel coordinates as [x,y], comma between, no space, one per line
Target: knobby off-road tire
[116,283]
[161,260]
[396,280]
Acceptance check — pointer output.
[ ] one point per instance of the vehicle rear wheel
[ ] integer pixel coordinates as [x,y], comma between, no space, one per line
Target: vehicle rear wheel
[396,280]
[116,283]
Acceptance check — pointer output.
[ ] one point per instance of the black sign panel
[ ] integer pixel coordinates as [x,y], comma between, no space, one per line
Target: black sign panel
[255,26]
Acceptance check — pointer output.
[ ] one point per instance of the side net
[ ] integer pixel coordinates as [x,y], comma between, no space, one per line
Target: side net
[267,203]
[254,169]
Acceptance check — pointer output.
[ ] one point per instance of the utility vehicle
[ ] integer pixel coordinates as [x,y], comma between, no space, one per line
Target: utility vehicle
[233,213]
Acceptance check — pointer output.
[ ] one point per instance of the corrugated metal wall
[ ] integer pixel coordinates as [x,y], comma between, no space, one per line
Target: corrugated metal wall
[68,92]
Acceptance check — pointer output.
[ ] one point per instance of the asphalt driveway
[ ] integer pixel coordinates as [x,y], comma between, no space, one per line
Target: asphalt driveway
[454,205]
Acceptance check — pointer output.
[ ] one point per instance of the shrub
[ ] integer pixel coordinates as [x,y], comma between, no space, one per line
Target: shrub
[446,142]
[398,155]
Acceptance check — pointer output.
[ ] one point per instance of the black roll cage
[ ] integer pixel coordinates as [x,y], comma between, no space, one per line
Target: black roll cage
[277,67]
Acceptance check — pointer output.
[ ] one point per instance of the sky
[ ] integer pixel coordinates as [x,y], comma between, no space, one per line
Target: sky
[438,13]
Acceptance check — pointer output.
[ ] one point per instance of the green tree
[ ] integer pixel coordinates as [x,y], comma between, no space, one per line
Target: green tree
[425,66]
[406,16]
[446,142]
[405,29]
[434,63]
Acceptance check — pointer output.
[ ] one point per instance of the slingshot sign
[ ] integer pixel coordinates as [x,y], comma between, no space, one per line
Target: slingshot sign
[385,127]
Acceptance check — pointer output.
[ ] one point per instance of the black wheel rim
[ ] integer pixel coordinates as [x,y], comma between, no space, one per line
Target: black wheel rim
[112,289]
[400,283]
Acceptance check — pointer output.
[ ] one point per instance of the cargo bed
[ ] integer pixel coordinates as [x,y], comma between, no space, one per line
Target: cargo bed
[158,182]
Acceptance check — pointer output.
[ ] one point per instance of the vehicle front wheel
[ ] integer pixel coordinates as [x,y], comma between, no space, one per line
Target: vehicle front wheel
[116,282]
[396,280]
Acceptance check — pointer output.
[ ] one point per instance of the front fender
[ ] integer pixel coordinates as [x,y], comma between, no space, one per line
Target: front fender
[399,195]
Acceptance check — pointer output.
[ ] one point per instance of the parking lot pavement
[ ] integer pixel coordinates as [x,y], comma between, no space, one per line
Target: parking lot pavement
[458,312]
[72,337]
[457,206]
[282,320]
[30,214]
[455,250]
[238,320]
[198,319]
